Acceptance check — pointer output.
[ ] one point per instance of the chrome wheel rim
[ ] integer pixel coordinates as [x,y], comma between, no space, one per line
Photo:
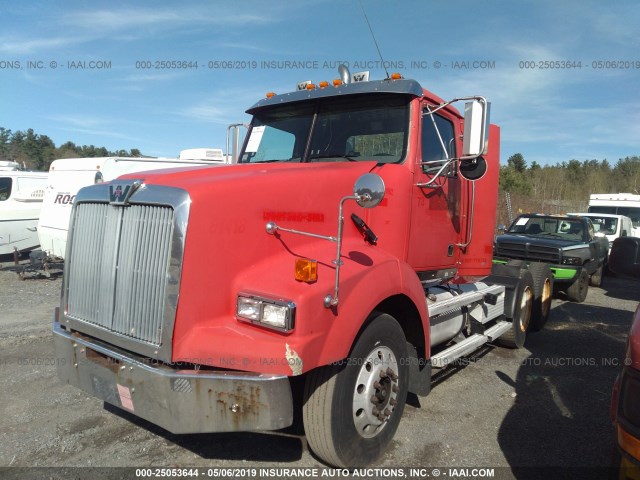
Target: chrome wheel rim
[376,391]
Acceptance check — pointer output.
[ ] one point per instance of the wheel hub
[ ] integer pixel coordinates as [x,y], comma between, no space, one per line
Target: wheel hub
[376,390]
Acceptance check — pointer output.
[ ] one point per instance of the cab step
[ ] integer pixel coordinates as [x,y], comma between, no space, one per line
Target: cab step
[469,345]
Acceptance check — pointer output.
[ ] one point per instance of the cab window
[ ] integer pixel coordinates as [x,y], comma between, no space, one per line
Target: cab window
[5,188]
[437,148]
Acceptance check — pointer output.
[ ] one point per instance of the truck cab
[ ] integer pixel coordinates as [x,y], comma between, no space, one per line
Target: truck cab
[350,248]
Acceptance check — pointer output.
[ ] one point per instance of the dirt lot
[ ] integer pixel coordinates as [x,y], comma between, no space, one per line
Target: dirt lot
[546,405]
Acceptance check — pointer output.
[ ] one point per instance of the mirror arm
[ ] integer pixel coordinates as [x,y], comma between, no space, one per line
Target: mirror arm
[473,207]
[437,175]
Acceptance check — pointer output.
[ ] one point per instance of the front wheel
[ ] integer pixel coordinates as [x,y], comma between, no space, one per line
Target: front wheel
[352,411]
[577,291]
[596,277]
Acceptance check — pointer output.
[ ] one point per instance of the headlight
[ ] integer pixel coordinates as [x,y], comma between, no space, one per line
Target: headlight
[269,312]
[572,261]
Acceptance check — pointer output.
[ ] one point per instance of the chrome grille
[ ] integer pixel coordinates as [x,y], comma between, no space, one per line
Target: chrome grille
[118,268]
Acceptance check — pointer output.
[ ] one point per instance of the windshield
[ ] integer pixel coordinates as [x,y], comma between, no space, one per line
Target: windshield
[632,212]
[335,129]
[604,225]
[556,227]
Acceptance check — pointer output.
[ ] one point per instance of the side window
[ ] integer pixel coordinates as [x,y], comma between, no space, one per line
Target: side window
[436,148]
[5,188]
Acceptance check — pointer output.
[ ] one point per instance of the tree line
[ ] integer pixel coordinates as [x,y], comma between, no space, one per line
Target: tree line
[36,152]
[563,187]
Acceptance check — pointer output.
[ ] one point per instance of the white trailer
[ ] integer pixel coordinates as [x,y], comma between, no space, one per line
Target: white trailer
[68,175]
[21,194]
[626,204]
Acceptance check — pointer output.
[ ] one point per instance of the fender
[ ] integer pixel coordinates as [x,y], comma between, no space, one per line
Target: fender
[362,292]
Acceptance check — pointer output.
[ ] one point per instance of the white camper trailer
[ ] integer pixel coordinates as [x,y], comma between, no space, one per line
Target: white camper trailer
[68,175]
[21,194]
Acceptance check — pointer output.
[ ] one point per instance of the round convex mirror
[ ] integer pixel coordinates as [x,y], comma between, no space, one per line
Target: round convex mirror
[369,189]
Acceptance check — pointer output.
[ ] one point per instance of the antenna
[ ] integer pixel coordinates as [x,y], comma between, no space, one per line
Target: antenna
[374,38]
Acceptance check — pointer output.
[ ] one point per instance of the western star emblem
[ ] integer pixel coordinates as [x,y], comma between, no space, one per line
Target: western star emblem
[119,194]
[116,194]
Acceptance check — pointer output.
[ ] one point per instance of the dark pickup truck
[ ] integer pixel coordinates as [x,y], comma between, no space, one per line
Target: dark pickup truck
[568,244]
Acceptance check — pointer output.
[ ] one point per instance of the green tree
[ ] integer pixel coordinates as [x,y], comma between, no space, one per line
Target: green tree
[518,162]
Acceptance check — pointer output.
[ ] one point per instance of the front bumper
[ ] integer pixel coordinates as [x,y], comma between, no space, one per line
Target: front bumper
[561,273]
[180,401]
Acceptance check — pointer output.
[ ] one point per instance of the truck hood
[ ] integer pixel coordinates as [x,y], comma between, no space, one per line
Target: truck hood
[209,179]
[537,240]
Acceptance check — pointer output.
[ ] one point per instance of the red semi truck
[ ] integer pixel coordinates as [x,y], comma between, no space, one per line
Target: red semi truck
[193,299]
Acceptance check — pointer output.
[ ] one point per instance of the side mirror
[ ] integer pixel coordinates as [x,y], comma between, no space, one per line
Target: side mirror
[624,233]
[476,128]
[473,169]
[369,190]
[502,228]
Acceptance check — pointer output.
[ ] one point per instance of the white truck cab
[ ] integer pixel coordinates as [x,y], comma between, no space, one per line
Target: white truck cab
[21,194]
[609,225]
[68,175]
[626,204]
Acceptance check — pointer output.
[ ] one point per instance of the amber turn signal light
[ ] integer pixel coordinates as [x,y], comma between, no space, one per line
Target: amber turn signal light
[306,270]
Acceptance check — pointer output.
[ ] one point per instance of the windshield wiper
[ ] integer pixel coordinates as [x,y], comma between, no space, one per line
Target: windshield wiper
[276,160]
[333,155]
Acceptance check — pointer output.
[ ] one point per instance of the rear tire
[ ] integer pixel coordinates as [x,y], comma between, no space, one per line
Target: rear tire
[577,291]
[517,334]
[543,289]
[352,411]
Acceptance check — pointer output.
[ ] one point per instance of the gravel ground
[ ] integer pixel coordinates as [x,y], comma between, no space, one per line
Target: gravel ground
[546,405]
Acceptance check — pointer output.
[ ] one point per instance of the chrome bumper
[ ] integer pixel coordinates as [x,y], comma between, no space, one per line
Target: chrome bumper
[180,401]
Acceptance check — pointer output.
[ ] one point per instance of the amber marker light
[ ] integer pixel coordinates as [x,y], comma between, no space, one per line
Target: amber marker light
[396,76]
[306,270]
[629,443]
[323,84]
[337,82]
[271,94]
[311,86]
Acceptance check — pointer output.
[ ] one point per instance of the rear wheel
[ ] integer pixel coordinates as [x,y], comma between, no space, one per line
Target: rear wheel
[516,335]
[352,411]
[577,291]
[543,289]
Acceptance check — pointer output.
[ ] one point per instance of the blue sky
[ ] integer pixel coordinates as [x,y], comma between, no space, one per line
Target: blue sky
[548,115]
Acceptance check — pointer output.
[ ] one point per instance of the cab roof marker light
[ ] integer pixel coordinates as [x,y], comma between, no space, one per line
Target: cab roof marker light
[323,84]
[270,94]
[396,76]
[311,86]
[337,82]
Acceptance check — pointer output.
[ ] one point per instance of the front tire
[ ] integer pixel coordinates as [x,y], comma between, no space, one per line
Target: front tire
[352,411]
[577,291]
[596,277]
